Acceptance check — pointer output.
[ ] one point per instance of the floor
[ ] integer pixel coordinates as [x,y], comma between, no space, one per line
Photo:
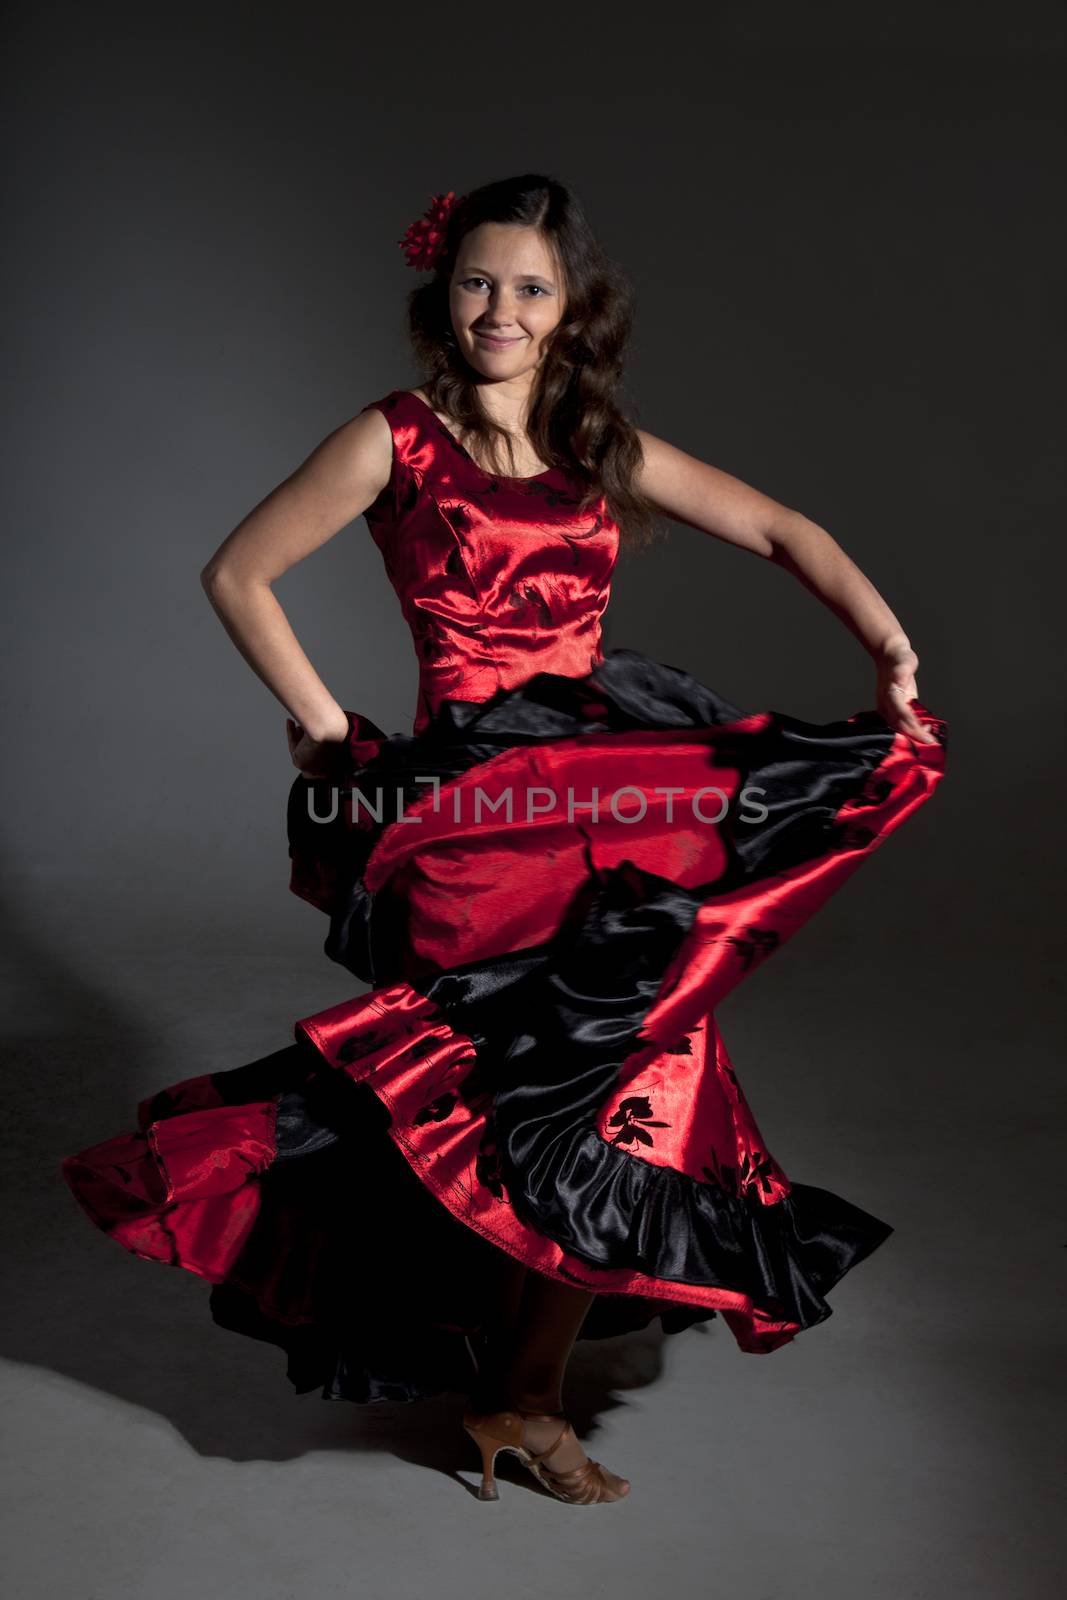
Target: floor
[901,1450]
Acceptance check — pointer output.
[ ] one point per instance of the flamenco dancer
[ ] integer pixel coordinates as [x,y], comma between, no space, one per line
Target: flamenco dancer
[527,1130]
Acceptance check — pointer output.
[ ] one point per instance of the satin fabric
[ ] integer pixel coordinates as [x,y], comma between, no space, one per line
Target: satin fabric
[539,1038]
[497,578]
[580,1108]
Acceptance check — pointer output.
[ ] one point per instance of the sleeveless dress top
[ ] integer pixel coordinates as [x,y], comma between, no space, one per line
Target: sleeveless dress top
[498,578]
[548,886]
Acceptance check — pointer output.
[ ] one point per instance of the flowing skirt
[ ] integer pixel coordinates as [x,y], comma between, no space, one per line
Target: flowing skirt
[548,894]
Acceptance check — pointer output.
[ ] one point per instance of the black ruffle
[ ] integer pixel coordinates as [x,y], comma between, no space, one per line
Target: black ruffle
[581,1010]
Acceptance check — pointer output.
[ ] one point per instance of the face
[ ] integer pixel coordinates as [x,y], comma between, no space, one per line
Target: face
[505,296]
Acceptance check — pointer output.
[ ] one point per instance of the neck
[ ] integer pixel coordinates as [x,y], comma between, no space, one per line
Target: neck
[507,402]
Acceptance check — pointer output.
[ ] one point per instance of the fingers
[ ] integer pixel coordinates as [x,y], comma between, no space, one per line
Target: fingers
[904,719]
[910,724]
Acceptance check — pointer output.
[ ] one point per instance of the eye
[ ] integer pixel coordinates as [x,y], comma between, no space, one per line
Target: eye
[467,282]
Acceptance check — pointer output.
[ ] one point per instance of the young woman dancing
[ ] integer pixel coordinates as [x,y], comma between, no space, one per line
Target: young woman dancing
[528,1130]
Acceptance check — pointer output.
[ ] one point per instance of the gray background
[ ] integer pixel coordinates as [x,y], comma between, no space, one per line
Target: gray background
[842,226]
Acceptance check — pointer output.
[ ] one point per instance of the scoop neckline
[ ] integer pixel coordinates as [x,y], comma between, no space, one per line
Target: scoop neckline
[500,477]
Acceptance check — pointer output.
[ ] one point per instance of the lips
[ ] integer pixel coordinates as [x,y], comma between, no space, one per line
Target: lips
[492,338]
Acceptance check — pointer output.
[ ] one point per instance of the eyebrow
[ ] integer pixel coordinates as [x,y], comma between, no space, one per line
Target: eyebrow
[540,276]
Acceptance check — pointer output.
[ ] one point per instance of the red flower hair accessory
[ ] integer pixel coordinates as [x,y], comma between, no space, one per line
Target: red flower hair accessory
[424,240]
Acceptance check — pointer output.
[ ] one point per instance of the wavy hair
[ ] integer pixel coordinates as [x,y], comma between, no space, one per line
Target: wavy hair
[574,418]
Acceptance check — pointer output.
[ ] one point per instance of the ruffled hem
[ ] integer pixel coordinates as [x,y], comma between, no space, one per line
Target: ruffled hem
[539,1043]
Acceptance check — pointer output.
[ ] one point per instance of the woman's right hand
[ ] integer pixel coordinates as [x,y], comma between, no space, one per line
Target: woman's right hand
[315,758]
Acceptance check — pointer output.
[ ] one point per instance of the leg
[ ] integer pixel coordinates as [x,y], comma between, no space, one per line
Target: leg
[536,1321]
[548,1322]
[550,1317]
[498,1333]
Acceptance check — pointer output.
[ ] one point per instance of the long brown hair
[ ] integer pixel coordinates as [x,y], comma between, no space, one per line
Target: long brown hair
[574,418]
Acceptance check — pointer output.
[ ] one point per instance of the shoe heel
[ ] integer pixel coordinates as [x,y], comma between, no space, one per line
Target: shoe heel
[487,1489]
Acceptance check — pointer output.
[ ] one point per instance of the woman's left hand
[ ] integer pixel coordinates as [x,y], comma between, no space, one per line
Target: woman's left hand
[896,687]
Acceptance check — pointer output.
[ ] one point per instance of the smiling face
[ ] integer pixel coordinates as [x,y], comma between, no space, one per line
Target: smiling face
[505,296]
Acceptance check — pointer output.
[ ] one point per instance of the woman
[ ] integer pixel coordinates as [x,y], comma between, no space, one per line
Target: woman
[529,1129]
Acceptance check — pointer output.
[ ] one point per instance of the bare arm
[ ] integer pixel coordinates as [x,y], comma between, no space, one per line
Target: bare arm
[339,479]
[703,497]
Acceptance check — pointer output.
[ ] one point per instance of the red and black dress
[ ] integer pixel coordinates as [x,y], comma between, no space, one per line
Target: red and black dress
[548,886]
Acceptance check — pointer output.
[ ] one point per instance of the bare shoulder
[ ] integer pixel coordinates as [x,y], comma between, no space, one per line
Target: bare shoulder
[656,451]
[661,465]
[369,433]
[357,454]
[345,472]
[705,497]
[342,476]
[650,445]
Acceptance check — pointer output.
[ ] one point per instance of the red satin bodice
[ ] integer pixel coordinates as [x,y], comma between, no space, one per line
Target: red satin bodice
[498,578]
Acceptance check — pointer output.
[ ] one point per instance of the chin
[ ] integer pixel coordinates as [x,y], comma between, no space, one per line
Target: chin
[502,363]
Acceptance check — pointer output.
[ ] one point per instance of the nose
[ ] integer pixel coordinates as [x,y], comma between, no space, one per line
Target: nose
[500,314]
